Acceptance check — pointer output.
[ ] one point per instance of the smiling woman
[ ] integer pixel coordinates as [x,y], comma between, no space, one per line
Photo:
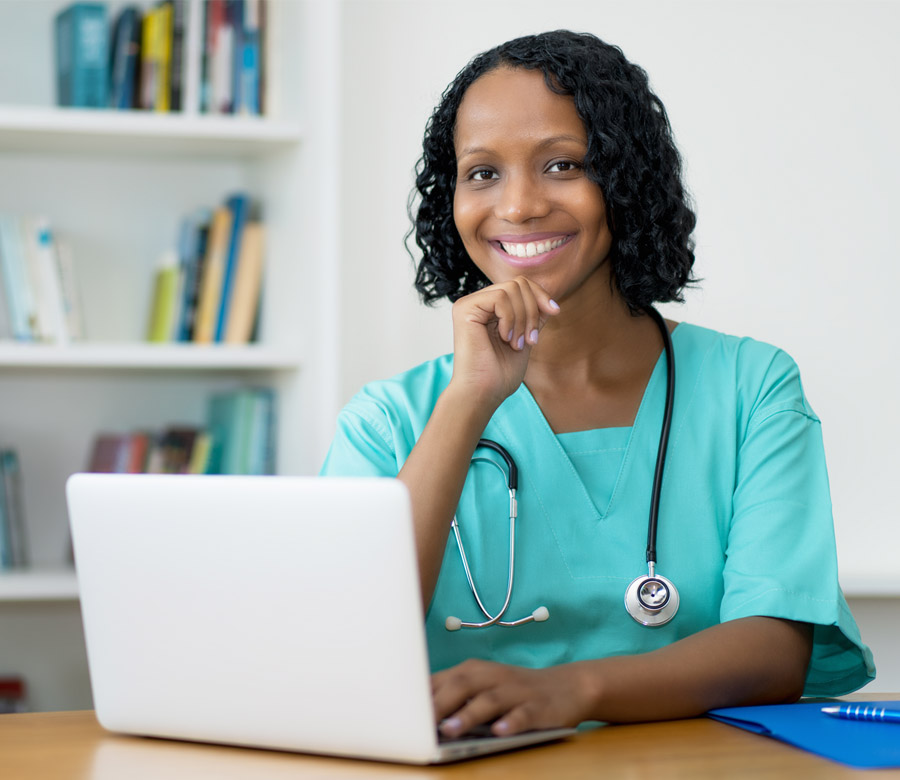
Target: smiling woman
[551,212]
[523,203]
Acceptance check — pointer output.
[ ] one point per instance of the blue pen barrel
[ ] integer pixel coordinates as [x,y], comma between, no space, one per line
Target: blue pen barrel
[866,712]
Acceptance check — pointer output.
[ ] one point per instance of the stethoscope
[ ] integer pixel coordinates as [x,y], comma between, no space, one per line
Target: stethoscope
[651,599]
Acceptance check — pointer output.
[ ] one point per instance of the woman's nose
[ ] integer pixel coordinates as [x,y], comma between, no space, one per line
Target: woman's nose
[520,198]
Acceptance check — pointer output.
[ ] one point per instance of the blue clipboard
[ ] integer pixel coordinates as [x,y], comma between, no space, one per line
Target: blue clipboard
[860,744]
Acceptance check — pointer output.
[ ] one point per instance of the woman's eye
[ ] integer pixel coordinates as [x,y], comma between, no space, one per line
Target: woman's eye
[482,174]
[563,166]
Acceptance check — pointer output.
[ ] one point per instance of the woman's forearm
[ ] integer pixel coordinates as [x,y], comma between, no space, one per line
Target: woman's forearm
[435,473]
[754,660]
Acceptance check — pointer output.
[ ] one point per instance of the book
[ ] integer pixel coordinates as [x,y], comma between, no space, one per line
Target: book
[193,57]
[200,454]
[172,450]
[12,694]
[238,205]
[138,446]
[192,250]
[164,308]
[6,553]
[17,285]
[109,454]
[250,61]
[124,58]
[71,296]
[163,51]
[177,55]
[16,541]
[51,323]
[156,54]
[241,424]
[149,79]
[245,296]
[234,19]
[218,58]
[82,60]
[213,274]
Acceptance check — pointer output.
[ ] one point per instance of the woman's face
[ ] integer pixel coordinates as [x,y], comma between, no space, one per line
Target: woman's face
[523,204]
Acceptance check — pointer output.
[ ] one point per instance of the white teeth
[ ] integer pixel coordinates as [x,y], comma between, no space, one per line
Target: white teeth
[531,249]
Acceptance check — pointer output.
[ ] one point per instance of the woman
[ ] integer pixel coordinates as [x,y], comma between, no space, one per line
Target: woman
[552,213]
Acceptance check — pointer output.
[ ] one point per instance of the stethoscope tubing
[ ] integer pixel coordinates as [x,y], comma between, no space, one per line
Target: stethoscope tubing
[645,613]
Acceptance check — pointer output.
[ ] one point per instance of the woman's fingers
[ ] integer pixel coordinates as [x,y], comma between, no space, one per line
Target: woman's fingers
[512,698]
[520,308]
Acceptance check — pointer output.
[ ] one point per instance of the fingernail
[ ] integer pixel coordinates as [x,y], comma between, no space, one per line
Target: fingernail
[533,336]
[509,336]
[520,344]
[553,304]
[451,725]
[500,727]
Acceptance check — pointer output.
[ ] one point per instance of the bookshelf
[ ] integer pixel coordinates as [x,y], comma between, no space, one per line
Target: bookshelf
[115,184]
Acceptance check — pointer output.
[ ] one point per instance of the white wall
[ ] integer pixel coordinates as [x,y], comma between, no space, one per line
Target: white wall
[786,113]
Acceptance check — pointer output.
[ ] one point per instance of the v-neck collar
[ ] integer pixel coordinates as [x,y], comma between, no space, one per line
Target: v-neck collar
[540,438]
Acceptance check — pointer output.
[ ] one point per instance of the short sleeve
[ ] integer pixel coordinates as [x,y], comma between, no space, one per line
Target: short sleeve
[362,445]
[781,557]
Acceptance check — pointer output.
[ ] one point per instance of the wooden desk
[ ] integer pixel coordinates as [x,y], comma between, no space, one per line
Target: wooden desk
[72,746]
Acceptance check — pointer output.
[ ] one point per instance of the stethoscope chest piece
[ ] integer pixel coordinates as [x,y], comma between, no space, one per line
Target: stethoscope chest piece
[651,600]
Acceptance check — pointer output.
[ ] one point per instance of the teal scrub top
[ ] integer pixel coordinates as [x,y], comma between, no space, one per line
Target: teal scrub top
[745,522]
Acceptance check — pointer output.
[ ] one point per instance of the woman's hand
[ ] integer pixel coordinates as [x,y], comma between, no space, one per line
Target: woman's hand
[494,330]
[516,699]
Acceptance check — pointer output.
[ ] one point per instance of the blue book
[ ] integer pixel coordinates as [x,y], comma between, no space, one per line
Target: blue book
[239,205]
[82,60]
[124,58]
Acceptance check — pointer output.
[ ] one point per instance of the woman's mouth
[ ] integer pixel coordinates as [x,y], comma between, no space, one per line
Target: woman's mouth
[526,253]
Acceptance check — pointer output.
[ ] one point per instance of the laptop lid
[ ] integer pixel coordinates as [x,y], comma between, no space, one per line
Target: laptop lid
[275,612]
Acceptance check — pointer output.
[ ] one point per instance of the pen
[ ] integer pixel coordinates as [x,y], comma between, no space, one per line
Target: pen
[863,712]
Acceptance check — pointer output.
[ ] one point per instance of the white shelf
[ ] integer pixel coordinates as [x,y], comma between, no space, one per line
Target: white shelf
[58,584]
[139,133]
[144,355]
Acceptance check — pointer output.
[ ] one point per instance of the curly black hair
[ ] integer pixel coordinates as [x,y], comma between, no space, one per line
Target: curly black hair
[631,156]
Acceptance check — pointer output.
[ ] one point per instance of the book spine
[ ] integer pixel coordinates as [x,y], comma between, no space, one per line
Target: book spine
[149,59]
[193,277]
[47,282]
[245,297]
[249,102]
[6,554]
[176,70]
[164,56]
[165,292]
[83,58]
[238,205]
[71,297]
[235,19]
[193,57]
[124,58]
[18,553]
[213,273]
[15,277]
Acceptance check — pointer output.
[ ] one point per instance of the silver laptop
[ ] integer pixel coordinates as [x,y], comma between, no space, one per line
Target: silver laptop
[274,612]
